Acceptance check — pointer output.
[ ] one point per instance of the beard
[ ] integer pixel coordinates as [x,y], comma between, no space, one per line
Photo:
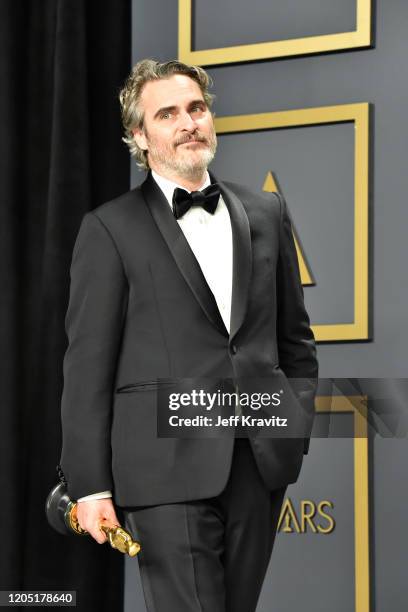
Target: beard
[184,162]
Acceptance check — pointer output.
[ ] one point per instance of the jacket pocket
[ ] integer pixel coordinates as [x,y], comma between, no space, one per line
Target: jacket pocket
[145,385]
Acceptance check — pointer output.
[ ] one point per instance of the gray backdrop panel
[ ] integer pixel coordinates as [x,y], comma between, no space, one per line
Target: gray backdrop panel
[222,23]
[314,567]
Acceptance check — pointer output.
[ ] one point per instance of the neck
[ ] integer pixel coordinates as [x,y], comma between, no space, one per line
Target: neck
[191,183]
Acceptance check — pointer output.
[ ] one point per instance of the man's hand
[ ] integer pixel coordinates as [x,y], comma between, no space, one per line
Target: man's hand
[92,513]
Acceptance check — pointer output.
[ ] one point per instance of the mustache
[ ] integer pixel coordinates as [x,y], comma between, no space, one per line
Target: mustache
[196,137]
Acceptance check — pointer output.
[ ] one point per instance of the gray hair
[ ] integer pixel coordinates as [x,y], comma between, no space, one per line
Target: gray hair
[150,70]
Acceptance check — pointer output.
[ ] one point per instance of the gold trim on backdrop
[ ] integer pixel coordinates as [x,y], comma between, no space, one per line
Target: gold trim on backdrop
[359,115]
[359,38]
[345,404]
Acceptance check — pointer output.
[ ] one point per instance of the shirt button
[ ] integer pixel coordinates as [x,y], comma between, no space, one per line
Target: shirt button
[234,349]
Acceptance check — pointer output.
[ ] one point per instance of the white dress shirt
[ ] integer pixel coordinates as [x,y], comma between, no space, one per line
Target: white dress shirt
[210,239]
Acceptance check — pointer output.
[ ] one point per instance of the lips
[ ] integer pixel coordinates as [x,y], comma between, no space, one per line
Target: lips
[191,141]
[195,141]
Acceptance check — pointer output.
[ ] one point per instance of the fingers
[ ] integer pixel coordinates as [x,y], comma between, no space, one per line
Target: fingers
[91,514]
[97,535]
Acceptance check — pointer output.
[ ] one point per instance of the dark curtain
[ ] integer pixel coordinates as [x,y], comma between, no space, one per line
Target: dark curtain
[62,63]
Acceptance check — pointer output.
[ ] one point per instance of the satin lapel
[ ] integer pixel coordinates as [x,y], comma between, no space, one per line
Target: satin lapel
[181,251]
[242,258]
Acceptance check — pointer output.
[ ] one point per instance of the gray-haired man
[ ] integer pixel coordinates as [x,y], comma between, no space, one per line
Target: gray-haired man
[183,277]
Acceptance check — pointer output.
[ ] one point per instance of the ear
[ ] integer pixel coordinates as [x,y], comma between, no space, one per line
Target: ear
[140,138]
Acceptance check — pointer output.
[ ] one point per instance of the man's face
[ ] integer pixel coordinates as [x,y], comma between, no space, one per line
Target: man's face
[178,129]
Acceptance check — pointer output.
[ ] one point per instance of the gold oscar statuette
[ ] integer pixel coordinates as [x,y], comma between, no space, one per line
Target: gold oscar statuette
[118,537]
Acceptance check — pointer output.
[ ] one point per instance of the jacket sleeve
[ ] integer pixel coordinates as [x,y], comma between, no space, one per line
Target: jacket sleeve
[94,322]
[296,344]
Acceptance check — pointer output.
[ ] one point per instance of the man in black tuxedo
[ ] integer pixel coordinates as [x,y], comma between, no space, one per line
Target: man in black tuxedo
[184,277]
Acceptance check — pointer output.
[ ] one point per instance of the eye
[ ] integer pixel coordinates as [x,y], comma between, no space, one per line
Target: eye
[197,108]
[165,115]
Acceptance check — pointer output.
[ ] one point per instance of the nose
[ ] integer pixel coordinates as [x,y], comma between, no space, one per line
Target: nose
[187,123]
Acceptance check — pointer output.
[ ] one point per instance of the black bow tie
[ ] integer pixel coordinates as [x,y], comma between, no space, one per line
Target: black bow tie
[207,198]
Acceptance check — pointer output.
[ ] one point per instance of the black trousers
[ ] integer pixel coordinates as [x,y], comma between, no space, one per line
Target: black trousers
[209,555]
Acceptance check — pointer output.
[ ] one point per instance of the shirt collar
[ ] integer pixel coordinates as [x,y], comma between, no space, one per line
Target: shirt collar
[167,186]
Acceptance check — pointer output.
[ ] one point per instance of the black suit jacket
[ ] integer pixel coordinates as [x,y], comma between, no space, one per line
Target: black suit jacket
[140,309]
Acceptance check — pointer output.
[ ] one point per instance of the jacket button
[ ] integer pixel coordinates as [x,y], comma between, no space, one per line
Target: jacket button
[234,349]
